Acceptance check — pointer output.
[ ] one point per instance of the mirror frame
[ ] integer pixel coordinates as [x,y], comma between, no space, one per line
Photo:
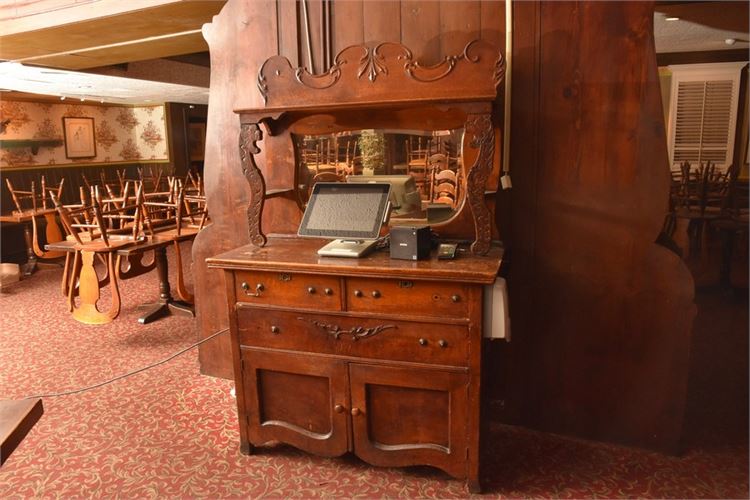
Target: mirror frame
[386,80]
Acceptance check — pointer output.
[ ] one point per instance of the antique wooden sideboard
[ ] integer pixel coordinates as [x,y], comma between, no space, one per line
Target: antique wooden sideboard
[377,356]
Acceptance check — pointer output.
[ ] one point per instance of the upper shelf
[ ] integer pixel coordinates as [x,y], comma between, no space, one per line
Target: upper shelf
[34,144]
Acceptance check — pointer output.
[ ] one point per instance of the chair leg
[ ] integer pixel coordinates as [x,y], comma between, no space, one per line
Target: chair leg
[52,233]
[182,292]
[65,275]
[73,279]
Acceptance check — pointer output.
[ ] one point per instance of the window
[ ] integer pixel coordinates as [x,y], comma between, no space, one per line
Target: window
[703,113]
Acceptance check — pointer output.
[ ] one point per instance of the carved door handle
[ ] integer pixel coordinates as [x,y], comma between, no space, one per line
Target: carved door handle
[258,288]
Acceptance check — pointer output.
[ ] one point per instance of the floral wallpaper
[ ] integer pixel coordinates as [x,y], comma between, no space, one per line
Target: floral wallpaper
[122,134]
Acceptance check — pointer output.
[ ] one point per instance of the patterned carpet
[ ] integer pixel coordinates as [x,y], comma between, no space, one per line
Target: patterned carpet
[169,432]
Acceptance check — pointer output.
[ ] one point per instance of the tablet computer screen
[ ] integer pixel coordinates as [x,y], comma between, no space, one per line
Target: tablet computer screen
[338,210]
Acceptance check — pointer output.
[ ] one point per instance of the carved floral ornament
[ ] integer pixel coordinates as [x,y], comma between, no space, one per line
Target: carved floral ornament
[363,63]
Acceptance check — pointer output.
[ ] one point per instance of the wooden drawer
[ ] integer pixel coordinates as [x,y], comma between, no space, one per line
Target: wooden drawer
[406,297]
[302,291]
[360,337]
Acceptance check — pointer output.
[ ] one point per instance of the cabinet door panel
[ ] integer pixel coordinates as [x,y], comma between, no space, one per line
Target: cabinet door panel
[293,399]
[407,416]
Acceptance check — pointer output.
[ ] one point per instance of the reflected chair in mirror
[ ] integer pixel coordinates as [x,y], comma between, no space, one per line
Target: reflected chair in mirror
[445,187]
[88,225]
[31,204]
[417,154]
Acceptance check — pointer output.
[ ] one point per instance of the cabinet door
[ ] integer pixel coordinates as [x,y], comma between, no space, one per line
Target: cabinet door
[297,399]
[409,416]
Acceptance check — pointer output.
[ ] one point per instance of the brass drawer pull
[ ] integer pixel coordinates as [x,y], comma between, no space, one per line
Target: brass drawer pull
[442,343]
[328,291]
[355,412]
[338,409]
[274,329]
[310,289]
[355,332]
[357,293]
[455,298]
[258,288]
[423,342]
[376,294]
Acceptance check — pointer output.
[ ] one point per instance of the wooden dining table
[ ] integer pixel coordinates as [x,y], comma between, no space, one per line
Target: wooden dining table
[165,303]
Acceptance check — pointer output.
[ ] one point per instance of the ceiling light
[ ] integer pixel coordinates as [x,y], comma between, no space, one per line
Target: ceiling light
[672,18]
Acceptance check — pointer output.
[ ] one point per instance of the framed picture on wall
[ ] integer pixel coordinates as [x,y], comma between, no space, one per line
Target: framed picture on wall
[196,140]
[79,137]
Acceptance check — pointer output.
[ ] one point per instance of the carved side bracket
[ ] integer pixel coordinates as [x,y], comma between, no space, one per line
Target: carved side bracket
[250,134]
[355,332]
[479,127]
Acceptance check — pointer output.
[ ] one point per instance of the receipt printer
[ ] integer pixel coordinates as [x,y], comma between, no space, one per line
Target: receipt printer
[410,242]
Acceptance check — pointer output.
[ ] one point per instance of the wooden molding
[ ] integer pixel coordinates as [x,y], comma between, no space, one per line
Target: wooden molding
[710,56]
[381,74]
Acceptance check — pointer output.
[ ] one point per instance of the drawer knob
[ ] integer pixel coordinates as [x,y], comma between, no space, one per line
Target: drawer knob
[328,291]
[274,329]
[357,293]
[355,412]
[455,298]
[442,343]
[376,294]
[423,342]
[258,288]
[338,408]
[311,289]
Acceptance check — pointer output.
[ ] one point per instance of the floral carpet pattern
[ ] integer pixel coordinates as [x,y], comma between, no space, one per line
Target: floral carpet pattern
[169,432]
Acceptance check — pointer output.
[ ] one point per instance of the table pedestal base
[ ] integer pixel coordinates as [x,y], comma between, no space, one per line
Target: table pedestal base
[161,309]
[166,305]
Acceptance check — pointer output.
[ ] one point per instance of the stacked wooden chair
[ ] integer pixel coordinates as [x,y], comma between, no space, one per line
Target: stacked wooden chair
[31,204]
[97,232]
[176,215]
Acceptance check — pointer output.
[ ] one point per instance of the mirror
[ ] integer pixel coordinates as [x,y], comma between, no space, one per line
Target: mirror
[425,168]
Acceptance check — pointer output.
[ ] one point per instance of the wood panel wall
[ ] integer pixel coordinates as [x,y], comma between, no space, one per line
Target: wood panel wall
[601,314]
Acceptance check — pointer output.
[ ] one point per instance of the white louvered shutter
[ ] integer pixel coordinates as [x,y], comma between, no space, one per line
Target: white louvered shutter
[703,113]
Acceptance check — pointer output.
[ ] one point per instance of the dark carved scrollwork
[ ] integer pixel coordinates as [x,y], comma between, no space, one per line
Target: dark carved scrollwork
[479,127]
[355,332]
[276,76]
[250,134]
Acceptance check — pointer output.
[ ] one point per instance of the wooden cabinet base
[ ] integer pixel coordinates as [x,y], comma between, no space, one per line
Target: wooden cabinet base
[331,373]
